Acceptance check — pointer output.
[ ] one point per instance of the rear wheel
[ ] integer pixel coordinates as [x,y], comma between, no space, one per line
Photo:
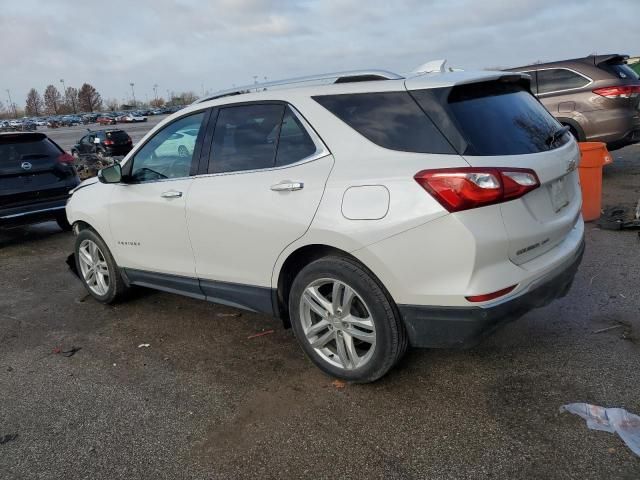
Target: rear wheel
[344,320]
[97,268]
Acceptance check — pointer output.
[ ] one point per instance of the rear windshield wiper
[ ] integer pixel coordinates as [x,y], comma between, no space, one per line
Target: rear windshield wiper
[551,139]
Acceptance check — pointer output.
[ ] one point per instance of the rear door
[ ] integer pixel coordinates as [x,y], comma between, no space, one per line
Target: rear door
[32,169]
[266,175]
[500,124]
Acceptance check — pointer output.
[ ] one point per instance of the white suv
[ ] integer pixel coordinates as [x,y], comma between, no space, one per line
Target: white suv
[368,211]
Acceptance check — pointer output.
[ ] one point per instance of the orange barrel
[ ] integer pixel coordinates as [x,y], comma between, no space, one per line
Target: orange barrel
[593,155]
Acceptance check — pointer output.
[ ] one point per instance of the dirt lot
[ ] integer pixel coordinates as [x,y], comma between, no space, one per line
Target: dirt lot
[204,401]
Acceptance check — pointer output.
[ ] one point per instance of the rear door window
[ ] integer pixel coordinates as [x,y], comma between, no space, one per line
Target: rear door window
[391,120]
[559,79]
[295,144]
[491,118]
[246,138]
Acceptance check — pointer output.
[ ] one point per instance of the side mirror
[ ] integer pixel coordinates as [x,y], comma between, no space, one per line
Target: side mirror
[111,174]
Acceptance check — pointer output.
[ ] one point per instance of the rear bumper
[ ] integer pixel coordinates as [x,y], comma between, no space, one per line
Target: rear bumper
[442,327]
[32,213]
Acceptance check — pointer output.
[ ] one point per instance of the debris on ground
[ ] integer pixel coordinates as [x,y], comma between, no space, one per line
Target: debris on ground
[66,353]
[8,438]
[144,345]
[608,328]
[615,218]
[261,334]
[612,420]
[339,384]
[89,166]
[229,315]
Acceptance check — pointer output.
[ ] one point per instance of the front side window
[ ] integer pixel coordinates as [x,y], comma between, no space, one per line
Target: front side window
[557,79]
[246,138]
[170,152]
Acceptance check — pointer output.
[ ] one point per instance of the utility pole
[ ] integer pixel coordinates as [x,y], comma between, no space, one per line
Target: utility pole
[255,79]
[11,104]
[133,93]
[168,96]
[155,92]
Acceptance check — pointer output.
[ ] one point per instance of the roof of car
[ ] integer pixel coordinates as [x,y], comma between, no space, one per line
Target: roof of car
[591,60]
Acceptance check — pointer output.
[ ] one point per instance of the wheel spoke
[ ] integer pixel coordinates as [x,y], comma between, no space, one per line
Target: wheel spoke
[316,328]
[336,291]
[347,298]
[317,302]
[85,256]
[363,323]
[321,341]
[102,268]
[342,351]
[368,337]
[101,283]
[90,277]
[350,349]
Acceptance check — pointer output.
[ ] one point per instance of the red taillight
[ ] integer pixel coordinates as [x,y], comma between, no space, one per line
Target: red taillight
[108,142]
[464,188]
[490,296]
[620,91]
[66,158]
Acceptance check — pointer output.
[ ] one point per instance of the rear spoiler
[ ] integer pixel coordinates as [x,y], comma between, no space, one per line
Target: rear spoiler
[614,59]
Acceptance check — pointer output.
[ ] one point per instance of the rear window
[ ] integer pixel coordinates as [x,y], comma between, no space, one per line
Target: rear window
[117,135]
[18,149]
[391,120]
[620,70]
[491,118]
[559,79]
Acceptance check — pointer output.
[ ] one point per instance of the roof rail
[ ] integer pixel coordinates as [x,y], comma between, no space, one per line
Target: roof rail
[325,78]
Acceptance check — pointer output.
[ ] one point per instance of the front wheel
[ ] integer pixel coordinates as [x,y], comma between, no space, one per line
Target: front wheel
[97,268]
[344,320]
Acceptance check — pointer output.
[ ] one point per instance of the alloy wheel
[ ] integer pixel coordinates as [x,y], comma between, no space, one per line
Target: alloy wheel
[337,323]
[93,267]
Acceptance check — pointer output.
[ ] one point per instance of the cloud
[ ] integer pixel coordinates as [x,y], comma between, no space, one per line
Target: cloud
[196,45]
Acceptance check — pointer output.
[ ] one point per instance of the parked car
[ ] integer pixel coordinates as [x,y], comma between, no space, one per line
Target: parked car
[103,143]
[598,97]
[131,118]
[106,120]
[36,176]
[371,214]
[70,120]
[40,122]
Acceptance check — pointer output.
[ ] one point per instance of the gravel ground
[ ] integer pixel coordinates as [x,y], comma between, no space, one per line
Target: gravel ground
[204,401]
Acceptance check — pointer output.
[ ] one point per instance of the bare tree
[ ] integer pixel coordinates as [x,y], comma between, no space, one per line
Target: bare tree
[157,102]
[34,104]
[52,100]
[112,104]
[71,99]
[89,99]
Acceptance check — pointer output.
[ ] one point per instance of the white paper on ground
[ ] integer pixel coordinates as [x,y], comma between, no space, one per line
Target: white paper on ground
[617,420]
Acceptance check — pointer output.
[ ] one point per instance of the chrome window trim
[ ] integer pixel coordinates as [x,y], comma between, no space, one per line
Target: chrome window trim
[590,80]
[321,149]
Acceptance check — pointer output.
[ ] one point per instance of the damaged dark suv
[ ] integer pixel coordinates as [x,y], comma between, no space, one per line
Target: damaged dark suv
[36,176]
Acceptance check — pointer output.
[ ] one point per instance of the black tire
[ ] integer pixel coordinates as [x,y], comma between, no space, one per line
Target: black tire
[391,339]
[117,288]
[63,223]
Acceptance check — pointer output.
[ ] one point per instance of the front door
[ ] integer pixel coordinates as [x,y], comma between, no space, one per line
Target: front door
[267,172]
[147,210]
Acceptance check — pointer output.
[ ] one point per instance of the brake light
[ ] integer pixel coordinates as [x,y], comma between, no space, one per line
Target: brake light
[490,296]
[108,142]
[621,91]
[66,158]
[458,189]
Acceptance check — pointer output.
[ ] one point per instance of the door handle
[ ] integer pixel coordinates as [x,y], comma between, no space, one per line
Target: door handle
[287,186]
[171,194]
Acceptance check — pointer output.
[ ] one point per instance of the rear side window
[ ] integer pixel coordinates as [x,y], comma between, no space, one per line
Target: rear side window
[558,79]
[391,120]
[491,118]
[246,138]
[19,150]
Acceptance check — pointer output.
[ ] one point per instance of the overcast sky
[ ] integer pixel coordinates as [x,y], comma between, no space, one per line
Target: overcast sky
[191,45]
